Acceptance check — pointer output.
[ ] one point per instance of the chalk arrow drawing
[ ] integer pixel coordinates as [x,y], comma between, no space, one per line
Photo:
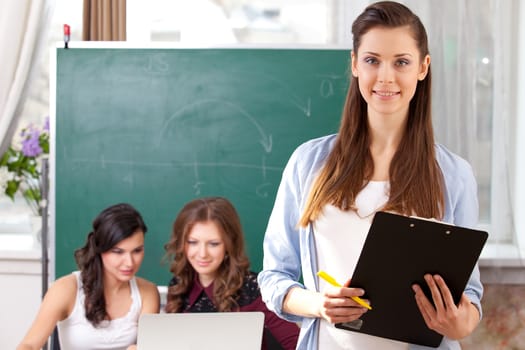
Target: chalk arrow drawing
[264,139]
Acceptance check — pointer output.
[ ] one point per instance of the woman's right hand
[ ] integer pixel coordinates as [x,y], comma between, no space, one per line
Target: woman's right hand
[337,305]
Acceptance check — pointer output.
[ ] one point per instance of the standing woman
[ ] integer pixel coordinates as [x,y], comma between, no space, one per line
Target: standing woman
[211,270]
[383,158]
[98,307]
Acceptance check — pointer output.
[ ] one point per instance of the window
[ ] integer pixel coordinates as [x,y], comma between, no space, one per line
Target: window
[233,21]
[475,46]
[475,102]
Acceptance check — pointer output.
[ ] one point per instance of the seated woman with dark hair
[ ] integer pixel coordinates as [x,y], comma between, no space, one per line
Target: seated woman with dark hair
[98,307]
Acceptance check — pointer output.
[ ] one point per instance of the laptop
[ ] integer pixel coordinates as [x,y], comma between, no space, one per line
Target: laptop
[192,331]
[398,252]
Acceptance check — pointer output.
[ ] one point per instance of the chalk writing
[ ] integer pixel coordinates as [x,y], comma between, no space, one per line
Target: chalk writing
[265,139]
[157,65]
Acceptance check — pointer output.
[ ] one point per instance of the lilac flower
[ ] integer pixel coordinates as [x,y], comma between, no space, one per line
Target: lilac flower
[30,144]
[46,124]
[19,168]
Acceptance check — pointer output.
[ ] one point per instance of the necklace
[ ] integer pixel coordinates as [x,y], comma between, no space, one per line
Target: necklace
[370,214]
[371,199]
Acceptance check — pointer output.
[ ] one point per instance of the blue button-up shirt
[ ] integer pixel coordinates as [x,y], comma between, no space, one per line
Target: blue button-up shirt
[289,250]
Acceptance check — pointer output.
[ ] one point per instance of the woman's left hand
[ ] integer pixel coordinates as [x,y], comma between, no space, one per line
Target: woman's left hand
[454,322]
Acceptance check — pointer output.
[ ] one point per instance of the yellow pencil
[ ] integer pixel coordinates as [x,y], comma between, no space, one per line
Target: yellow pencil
[333,282]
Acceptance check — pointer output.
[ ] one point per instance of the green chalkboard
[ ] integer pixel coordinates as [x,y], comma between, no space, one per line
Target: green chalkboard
[159,127]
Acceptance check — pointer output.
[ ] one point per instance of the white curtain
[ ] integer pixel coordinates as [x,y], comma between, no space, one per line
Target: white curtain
[474,102]
[23,30]
[473,45]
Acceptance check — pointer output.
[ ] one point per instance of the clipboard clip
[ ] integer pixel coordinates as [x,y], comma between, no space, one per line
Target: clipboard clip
[352,325]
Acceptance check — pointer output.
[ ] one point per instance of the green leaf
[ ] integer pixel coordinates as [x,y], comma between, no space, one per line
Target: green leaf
[11,188]
[43,140]
[4,159]
[32,194]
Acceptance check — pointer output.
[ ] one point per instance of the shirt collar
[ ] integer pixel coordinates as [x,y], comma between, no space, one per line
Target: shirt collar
[197,290]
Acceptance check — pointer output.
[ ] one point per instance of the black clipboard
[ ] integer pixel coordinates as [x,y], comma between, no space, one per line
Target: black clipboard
[397,253]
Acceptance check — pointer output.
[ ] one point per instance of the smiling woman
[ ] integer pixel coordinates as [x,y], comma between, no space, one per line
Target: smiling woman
[388,76]
[205,251]
[383,153]
[211,270]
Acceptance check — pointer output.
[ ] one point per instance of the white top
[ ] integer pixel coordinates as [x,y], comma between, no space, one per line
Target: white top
[76,332]
[339,238]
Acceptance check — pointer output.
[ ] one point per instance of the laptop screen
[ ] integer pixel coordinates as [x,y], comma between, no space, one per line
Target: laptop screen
[192,331]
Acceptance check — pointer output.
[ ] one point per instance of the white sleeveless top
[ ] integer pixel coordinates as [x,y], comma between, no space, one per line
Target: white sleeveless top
[77,333]
[339,238]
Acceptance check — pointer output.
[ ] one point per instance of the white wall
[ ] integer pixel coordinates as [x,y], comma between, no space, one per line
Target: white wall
[20,293]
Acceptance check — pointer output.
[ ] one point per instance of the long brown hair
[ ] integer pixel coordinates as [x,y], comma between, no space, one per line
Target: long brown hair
[112,225]
[416,181]
[234,267]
